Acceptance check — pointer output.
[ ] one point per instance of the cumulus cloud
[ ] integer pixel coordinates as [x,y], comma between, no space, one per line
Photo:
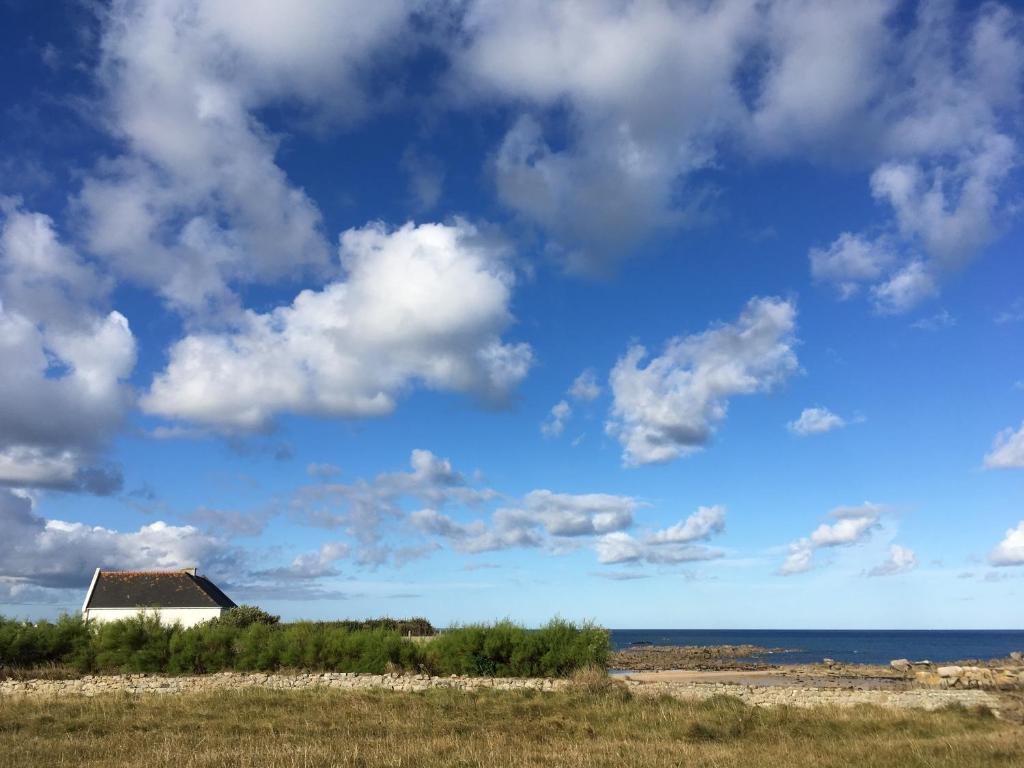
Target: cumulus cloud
[815,421]
[59,554]
[853,525]
[310,565]
[554,424]
[901,559]
[197,189]
[63,357]
[1007,450]
[702,524]
[583,388]
[421,305]
[675,544]
[621,103]
[851,260]
[904,290]
[648,86]
[821,72]
[476,537]
[367,510]
[670,407]
[939,127]
[1010,551]
[542,517]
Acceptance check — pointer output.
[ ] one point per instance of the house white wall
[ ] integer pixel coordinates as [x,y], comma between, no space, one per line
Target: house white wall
[187,617]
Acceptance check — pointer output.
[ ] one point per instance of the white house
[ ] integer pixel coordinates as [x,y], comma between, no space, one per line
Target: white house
[175,596]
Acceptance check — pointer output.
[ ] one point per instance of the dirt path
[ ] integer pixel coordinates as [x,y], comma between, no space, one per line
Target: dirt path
[765,678]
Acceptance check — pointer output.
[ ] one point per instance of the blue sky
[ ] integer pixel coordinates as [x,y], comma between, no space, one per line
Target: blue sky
[662,314]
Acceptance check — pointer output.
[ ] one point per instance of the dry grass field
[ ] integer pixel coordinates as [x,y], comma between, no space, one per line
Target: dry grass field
[595,726]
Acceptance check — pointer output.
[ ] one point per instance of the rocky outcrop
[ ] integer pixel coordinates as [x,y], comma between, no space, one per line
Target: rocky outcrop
[652,658]
[967,677]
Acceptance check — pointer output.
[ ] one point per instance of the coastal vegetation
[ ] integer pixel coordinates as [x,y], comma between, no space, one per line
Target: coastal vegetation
[247,639]
[594,723]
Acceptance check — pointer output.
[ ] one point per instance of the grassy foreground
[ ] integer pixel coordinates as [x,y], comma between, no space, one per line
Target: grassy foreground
[493,728]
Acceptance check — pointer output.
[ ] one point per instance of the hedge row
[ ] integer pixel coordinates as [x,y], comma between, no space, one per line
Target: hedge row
[142,644]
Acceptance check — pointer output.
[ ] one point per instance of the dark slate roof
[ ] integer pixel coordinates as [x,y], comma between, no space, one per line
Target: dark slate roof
[156,589]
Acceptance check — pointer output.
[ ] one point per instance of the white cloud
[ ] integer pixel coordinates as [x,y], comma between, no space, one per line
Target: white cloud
[670,407]
[675,544]
[648,85]
[371,510]
[476,537]
[310,565]
[541,517]
[850,261]
[949,209]
[821,74]
[585,386]
[853,525]
[197,189]
[848,530]
[1010,551]
[905,289]
[1007,450]
[901,559]
[555,422]
[650,92]
[815,421]
[63,357]
[702,524]
[938,125]
[564,514]
[60,554]
[799,560]
[421,305]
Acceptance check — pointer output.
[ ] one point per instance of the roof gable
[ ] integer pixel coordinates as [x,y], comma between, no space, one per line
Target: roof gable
[155,589]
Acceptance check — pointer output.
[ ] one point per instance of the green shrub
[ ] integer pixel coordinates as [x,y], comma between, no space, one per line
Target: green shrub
[506,649]
[206,647]
[416,627]
[24,643]
[242,616]
[136,644]
[251,639]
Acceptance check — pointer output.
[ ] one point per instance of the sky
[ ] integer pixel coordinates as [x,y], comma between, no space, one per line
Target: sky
[693,314]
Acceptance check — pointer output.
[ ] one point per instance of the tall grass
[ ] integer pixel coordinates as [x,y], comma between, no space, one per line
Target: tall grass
[494,728]
[143,644]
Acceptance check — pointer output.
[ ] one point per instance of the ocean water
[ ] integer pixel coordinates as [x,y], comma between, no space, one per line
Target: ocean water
[856,646]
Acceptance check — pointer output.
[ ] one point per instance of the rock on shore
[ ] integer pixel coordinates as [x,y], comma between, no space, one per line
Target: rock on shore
[653,658]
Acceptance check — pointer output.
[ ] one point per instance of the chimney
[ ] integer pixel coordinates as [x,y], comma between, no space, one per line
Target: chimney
[190,571]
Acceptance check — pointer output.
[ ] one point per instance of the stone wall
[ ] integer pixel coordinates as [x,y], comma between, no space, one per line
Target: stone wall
[91,685]
[754,695]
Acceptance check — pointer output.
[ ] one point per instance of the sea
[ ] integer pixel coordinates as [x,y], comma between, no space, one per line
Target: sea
[847,645]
